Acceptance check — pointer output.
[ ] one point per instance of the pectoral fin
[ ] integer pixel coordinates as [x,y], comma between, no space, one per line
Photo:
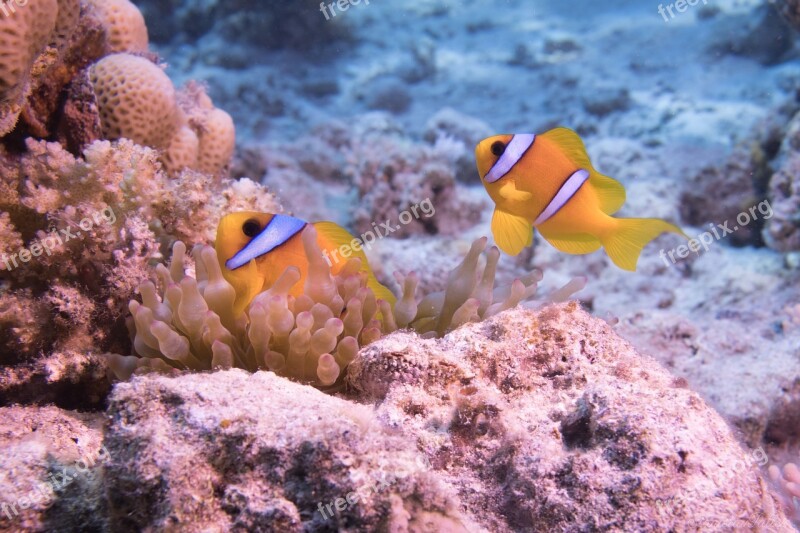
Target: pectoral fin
[511,233]
[509,192]
[247,287]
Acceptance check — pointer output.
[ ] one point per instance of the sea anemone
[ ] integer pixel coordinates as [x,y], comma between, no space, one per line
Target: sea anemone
[787,481]
[189,324]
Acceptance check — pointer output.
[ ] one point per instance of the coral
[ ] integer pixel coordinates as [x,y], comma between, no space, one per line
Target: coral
[22,38]
[392,174]
[764,166]
[787,481]
[530,421]
[38,43]
[52,473]
[228,429]
[124,24]
[782,232]
[449,123]
[570,414]
[719,193]
[136,100]
[64,52]
[182,152]
[190,323]
[74,291]
[217,142]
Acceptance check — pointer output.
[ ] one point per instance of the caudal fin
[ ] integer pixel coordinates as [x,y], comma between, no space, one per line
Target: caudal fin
[625,243]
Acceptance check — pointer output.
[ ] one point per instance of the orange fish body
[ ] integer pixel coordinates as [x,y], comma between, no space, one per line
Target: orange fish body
[547,182]
[254,249]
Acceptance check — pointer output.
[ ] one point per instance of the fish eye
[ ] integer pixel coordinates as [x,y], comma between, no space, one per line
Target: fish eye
[251,227]
[498,147]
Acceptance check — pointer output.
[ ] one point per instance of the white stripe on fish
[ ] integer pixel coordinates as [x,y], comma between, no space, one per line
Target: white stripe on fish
[277,231]
[564,194]
[519,144]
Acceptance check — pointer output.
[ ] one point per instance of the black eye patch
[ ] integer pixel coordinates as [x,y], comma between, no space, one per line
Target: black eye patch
[498,147]
[251,228]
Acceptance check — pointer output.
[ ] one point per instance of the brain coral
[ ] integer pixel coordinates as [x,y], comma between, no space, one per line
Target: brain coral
[182,151]
[136,100]
[124,23]
[217,142]
[23,37]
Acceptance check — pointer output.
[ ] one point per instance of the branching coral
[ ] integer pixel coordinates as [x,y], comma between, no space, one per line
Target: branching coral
[189,323]
[74,293]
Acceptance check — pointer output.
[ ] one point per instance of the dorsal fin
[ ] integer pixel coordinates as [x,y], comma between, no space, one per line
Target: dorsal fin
[338,235]
[610,192]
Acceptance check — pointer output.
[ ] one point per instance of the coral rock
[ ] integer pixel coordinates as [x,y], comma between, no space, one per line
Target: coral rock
[51,470]
[255,452]
[530,421]
[550,422]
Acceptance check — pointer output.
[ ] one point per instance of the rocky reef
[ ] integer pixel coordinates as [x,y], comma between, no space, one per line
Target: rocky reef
[134,397]
[568,412]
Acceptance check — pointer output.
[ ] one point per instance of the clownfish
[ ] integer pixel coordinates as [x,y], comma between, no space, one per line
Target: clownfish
[254,249]
[547,182]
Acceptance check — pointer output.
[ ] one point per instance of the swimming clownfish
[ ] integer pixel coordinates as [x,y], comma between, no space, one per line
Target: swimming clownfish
[547,182]
[254,249]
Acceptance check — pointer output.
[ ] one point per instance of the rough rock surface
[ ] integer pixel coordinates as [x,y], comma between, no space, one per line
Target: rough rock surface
[782,233]
[256,452]
[50,477]
[531,421]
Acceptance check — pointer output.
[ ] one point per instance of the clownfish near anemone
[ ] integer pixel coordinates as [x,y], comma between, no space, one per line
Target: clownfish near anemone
[254,249]
[547,182]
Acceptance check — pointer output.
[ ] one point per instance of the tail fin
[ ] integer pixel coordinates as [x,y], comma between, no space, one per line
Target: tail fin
[625,242]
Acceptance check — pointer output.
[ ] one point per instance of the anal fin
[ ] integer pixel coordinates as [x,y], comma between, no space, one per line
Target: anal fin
[577,244]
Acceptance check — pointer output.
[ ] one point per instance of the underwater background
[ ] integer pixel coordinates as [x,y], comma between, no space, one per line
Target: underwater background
[150,382]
